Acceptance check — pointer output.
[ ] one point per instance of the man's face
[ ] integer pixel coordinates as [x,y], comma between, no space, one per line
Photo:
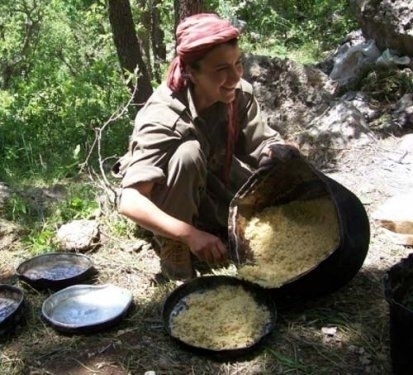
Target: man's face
[218,74]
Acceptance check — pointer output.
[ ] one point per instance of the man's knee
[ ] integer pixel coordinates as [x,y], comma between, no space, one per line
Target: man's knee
[189,158]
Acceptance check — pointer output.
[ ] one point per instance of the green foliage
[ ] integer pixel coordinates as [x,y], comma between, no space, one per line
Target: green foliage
[60,79]
[41,241]
[387,84]
[42,216]
[67,84]
[284,27]
[80,203]
[16,208]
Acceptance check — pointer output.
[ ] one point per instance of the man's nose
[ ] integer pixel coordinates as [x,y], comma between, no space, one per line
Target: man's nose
[235,74]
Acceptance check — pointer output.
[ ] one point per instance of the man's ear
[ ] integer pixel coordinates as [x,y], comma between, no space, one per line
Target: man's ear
[189,72]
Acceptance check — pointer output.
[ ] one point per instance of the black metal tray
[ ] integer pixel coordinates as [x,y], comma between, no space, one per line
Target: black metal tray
[86,308]
[175,303]
[11,306]
[56,270]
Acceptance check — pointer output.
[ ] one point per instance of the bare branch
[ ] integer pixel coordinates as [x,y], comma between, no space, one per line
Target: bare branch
[118,114]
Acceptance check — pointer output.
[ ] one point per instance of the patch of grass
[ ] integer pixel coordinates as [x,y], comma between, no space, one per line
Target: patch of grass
[307,53]
[40,208]
[387,85]
[139,342]
[289,364]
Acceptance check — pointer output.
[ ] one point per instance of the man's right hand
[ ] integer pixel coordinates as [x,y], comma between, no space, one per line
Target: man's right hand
[207,247]
[278,152]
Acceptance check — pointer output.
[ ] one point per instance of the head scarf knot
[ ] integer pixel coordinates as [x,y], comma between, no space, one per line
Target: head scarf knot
[195,36]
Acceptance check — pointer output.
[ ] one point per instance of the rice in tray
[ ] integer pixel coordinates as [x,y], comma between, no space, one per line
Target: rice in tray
[288,240]
[227,317]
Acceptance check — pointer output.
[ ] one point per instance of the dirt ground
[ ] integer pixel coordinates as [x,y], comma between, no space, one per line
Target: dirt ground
[345,332]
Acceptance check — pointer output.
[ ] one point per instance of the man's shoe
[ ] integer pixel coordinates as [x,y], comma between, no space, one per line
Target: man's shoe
[176,263]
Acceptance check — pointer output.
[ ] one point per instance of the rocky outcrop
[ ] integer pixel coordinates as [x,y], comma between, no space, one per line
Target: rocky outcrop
[395,215]
[388,22]
[78,235]
[290,93]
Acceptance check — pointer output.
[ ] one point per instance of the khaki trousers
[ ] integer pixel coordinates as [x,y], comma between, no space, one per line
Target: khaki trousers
[194,194]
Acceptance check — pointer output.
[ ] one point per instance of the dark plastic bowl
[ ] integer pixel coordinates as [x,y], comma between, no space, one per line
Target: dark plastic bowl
[86,308]
[175,301]
[56,270]
[11,306]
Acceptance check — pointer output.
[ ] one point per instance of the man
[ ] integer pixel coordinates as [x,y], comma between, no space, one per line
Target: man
[195,142]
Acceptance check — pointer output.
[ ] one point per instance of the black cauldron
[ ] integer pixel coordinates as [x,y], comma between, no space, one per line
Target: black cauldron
[296,179]
[11,307]
[398,290]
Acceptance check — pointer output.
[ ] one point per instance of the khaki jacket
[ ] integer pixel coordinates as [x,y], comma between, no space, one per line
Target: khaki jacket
[167,119]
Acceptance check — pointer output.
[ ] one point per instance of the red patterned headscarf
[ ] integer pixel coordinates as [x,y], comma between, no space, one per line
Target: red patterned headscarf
[195,36]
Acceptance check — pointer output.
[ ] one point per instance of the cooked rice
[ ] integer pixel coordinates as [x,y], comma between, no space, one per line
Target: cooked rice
[289,240]
[227,317]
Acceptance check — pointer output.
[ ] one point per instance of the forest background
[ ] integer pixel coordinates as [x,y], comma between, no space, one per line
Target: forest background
[74,73]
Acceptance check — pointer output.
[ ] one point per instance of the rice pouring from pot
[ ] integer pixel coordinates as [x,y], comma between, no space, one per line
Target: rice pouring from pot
[288,240]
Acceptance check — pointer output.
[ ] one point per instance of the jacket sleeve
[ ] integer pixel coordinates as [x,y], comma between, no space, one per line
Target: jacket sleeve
[150,148]
[157,133]
[255,134]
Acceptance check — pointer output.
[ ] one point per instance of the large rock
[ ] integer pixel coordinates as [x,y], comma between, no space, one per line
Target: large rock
[339,127]
[9,234]
[388,22]
[395,215]
[300,102]
[78,235]
[290,94]
[353,60]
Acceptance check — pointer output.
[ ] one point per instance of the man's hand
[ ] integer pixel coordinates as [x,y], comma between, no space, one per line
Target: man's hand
[208,248]
[278,152]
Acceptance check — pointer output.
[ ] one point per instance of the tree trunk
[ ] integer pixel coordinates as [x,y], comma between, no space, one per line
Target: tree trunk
[157,35]
[154,48]
[185,8]
[143,35]
[128,49]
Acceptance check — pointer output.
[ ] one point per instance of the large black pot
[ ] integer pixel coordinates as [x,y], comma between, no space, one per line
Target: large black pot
[293,179]
[398,290]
